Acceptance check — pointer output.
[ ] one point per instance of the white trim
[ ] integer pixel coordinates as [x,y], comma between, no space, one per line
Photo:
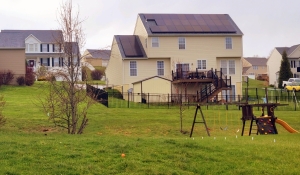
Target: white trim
[31,35]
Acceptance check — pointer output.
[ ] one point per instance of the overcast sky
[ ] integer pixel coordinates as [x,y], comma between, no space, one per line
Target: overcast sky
[265,23]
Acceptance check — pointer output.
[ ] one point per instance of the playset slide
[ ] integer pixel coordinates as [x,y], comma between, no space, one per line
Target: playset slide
[286,126]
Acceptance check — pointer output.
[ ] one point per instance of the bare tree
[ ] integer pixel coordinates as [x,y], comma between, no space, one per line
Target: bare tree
[66,102]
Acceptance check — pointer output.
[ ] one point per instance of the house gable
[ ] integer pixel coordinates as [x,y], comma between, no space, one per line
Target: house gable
[31,39]
[295,52]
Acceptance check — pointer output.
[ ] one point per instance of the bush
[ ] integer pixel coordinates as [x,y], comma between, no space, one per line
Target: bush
[96,74]
[29,77]
[21,80]
[6,77]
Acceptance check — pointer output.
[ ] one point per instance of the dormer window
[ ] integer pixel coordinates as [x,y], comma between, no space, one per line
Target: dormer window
[32,47]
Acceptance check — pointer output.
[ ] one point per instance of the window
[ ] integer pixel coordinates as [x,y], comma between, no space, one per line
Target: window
[231,67]
[255,67]
[133,68]
[201,64]
[224,66]
[44,61]
[181,43]
[55,62]
[31,47]
[45,48]
[155,42]
[228,42]
[56,48]
[293,64]
[228,67]
[160,68]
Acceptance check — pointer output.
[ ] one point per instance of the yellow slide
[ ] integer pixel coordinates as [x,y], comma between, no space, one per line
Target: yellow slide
[286,126]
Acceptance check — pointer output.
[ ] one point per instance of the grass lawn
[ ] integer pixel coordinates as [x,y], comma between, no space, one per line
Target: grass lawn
[149,138]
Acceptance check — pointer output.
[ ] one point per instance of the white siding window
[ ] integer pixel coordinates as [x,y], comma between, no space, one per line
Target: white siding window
[56,48]
[224,66]
[255,67]
[228,42]
[231,67]
[44,47]
[32,47]
[155,42]
[293,64]
[55,62]
[133,68]
[160,68]
[201,64]
[228,67]
[181,43]
[44,61]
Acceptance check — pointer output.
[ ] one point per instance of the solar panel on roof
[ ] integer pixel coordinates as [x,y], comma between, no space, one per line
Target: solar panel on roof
[130,46]
[181,23]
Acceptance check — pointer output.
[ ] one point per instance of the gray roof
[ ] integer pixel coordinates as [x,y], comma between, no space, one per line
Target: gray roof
[257,61]
[288,50]
[97,53]
[16,38]
[189,24]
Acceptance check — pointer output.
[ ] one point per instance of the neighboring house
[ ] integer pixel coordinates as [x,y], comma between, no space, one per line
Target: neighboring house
[181,49]
[12,55]
[274,62]
[96,57]
[258,66]
[43,48]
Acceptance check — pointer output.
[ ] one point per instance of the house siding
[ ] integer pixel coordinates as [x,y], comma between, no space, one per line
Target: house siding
[114,70]
[142,34]
[14,60]
[196,46]
[157,87]
[273,65]
[144,71]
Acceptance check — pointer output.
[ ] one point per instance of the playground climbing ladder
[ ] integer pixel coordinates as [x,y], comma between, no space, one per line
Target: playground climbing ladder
[203,120]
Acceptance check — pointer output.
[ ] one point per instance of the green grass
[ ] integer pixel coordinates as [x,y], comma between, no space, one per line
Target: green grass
[150,138]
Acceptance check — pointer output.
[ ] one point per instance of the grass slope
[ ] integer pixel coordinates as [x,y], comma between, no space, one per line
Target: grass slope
[149,138]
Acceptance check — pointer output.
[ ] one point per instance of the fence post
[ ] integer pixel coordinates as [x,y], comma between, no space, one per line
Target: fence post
[128,100]
[148,101]
[168,102]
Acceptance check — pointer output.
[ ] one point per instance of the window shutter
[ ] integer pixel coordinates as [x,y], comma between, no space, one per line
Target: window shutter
[53,62]
[48,61]
[47,47]
[62,62]
[41,47]
[41,60]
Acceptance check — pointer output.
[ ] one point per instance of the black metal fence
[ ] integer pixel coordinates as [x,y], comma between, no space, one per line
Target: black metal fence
[147,100]
[99,95]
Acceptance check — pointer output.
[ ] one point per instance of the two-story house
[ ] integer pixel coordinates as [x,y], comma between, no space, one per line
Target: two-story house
[274,62]
[43,48]
[179,54]
[258,66]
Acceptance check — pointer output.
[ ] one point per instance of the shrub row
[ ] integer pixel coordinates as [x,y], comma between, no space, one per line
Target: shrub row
[7,76]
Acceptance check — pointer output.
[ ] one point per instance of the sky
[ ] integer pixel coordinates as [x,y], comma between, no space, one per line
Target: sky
[266,24]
